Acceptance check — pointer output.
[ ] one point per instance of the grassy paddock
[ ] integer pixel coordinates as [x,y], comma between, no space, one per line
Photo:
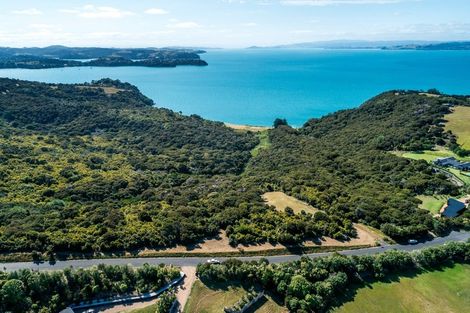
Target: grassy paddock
[446,290]
[212,299]
[458,123]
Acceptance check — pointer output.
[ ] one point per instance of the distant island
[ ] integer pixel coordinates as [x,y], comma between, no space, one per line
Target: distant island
[61,56]
[383,45]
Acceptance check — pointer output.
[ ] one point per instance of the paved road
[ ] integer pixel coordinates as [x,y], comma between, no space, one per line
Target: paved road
[193,261]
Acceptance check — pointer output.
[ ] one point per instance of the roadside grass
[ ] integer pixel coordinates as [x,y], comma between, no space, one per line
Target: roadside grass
[432,203]
[213,298]
[446,290]
[458,123]
[148,309]
[264,142]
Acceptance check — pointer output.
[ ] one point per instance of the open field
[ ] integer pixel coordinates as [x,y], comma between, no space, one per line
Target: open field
[263,143]
[446,291]
[280,201]
[459,123]
[432,203]
[213,299]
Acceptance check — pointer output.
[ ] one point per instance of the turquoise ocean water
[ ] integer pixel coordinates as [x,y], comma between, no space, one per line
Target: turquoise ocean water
[256,86]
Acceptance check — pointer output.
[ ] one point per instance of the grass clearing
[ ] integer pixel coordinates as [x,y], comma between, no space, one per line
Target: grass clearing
[446,291]
[213,299]
[458,122]
[280,201]
[263,143]
[432,203]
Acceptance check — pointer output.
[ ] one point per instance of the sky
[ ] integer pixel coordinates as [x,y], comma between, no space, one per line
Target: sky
[227,23]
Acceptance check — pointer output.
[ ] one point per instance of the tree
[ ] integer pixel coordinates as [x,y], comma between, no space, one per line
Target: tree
[13,296]
[280,122]
[165,302]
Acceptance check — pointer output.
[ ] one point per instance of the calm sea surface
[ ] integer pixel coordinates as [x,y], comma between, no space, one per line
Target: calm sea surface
[256,86]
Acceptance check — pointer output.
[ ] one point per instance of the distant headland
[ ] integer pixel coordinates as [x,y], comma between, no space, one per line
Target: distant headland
[61,56]
[383,45]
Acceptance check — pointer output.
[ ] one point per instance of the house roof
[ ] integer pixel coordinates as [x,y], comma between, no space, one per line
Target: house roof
[454,207]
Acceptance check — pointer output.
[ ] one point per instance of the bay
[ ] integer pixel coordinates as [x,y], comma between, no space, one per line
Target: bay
[253,87]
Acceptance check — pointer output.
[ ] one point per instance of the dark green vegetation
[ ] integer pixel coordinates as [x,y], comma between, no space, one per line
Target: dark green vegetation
[30,291]
[95,167]
[60,56]
[315,285]
[82,170]
[342,164]
[165,302]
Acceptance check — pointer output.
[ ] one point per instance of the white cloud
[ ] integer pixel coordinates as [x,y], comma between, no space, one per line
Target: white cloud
[156,11]
[249,24]
[184,25]
[91,11]
[336,2]
[32,11]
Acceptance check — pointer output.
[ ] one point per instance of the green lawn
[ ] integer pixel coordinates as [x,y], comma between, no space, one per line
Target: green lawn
[212,300]
[432,203]
[458,123]
[443,291]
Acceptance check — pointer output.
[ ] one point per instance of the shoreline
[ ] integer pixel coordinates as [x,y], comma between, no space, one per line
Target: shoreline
[252,128]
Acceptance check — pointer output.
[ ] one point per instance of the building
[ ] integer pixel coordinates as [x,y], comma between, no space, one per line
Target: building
[465,167]
[453,208]
[453,162]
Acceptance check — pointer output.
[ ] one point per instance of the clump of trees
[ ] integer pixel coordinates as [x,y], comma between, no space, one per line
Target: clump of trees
[313,285]
[32,291]
[165,302]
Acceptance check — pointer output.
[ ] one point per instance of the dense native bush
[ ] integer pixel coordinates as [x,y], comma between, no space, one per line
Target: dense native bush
[313,285]
[31,291]
[97,167]
[343,165]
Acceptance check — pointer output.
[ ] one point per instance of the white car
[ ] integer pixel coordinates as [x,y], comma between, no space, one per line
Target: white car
[412,241]
[213,261]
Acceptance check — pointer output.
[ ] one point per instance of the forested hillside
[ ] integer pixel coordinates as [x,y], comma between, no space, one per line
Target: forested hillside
[342,164]
[96,167]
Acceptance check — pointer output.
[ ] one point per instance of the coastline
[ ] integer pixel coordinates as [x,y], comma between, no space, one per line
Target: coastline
[255,129]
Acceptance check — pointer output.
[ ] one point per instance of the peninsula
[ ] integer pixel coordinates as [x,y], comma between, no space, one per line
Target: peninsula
[61,56]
